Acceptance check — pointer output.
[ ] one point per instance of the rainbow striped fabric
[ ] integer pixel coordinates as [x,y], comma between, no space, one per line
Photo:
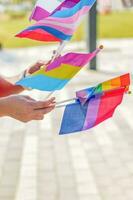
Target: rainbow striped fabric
[61,25]
[58,73]
[115,83]
[98,108]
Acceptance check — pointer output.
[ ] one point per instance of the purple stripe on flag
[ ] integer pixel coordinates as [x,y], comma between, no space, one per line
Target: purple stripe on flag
[79,59]
[66,4]
[92,112]
[39,13]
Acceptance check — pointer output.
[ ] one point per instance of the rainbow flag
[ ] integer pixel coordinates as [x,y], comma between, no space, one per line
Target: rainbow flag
[60,25]
[115,83]
[44,8]
[59,72]
[98,108]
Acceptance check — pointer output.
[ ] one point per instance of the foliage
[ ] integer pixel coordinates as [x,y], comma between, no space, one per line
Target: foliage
[116,25]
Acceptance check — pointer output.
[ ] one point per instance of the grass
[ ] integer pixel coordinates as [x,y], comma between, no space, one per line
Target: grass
[9,27]
[115,25]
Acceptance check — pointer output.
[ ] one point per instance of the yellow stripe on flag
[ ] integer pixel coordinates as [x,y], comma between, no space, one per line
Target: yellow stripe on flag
[106,85]
[63,72]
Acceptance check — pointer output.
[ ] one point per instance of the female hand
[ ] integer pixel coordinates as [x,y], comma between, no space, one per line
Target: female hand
[24,108]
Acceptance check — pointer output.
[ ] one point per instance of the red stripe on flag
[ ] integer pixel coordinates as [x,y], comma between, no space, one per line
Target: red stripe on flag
[109,101]
[38,35]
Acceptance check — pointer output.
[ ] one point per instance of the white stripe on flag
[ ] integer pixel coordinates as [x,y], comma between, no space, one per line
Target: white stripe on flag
[49,5]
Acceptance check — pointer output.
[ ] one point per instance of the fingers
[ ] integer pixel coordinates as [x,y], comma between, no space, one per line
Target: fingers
[29,98]
[36,67]
[39,117]
[44,104]
[44,111]
[39,114]
[25,109]
[41,64]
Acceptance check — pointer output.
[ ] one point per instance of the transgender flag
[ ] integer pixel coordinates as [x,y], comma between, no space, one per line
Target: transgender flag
[44,8]
[60,25]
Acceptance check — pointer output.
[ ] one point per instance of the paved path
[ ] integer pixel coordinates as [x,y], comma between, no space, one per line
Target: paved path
[36,163]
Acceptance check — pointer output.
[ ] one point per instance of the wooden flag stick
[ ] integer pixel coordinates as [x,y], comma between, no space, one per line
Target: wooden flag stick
[61,106]
[49,95]
[59,50]
[56,54]
[65,101]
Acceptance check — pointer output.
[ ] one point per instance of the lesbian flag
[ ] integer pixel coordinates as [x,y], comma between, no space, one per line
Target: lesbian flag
[115,83]
[60,25]
[44,8]
[59,72]
[98,108]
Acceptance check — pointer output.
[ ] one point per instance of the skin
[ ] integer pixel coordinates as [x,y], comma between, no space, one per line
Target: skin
[7,86]
[24,108]
[20,107]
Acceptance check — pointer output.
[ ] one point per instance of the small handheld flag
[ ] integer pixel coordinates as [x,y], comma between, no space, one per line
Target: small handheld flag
[98,108]
[59,72]
[60,25]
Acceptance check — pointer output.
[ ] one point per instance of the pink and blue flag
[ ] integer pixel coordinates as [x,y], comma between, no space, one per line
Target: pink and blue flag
[58,73]
[100,107]
[60,25]
[43,8]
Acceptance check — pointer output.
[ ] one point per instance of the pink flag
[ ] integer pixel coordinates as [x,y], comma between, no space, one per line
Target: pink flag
[44,8]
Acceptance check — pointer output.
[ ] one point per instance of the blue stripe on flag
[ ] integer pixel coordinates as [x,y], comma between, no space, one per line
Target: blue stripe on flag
[52,31]
[44,83]
[74,118]
[72,11]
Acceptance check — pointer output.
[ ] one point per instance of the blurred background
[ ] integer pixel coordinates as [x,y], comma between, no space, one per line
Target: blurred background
[35,162]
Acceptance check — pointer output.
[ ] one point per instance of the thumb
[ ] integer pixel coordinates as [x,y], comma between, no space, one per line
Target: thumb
[44,104]
[36,67]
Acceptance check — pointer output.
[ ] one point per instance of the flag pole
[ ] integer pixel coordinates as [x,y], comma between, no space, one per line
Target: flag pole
[65,101]
[56,54]
[61,104]
[59,50]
